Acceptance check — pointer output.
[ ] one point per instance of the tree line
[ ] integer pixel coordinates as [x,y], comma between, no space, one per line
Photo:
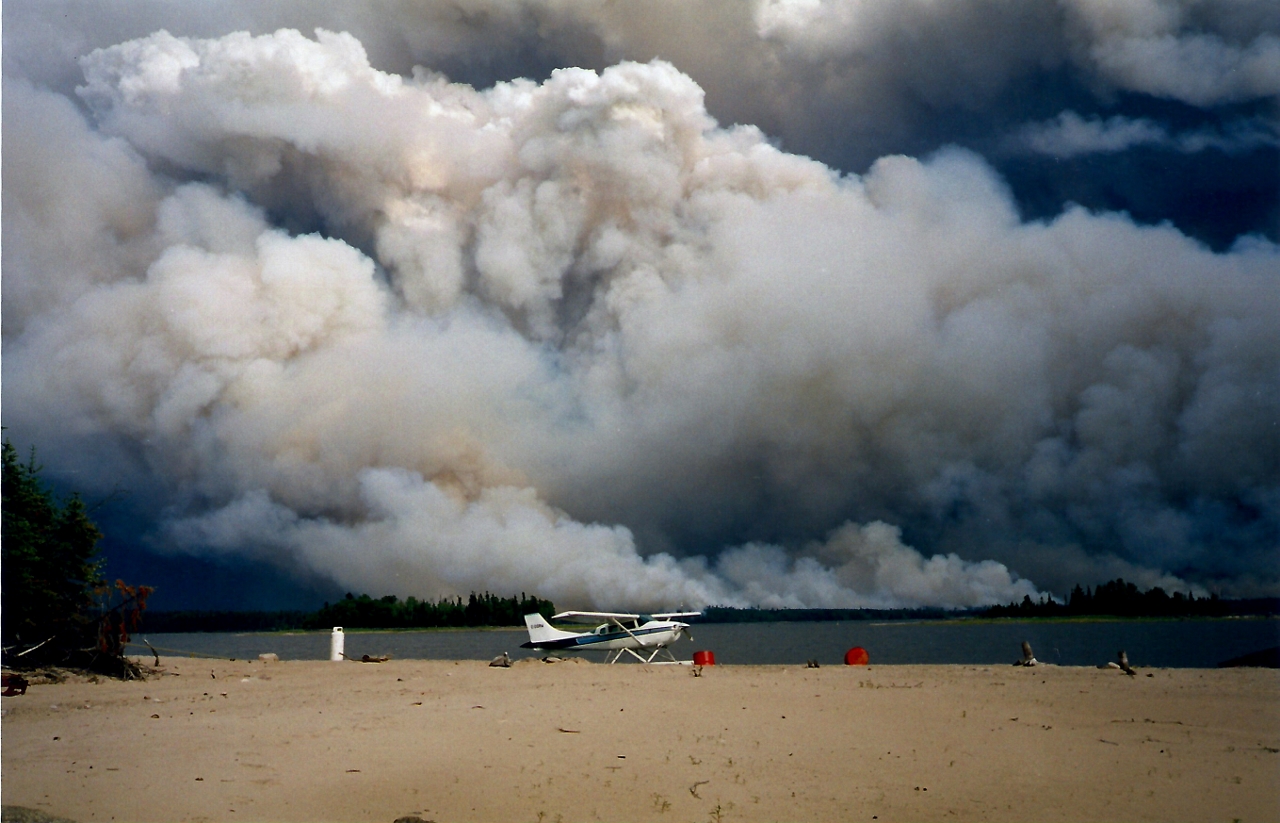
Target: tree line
[1117,598]
[389,612]
[734,614]
[1120,598]
[363,612]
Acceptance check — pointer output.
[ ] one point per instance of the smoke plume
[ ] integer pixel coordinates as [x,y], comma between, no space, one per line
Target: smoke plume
[325,308]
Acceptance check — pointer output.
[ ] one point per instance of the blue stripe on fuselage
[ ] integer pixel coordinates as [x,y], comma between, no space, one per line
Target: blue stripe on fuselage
[582,641]
[591,639]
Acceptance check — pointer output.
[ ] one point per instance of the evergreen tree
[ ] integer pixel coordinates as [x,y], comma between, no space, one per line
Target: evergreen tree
[49,568]
[57,608]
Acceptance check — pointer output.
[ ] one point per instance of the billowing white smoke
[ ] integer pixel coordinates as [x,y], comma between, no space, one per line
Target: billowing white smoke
[416,537]
[537,308]
[1202,53]
[841,78]
[1070,135]
[1198,52]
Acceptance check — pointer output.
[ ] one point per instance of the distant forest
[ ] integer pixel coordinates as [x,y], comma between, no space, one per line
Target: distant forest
[1117,598]
[1121,599]
[730,614]
[363,612]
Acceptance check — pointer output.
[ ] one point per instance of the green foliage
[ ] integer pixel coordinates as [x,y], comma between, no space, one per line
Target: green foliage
[49,569]
[389,612]
[57,608]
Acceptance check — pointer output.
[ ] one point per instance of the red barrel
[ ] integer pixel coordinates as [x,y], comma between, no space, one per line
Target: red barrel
[704,658]
[857,656]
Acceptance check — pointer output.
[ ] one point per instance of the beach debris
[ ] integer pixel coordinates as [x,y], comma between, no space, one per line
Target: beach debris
[569,731]
[381,658]
[1124,663]
[697,671]
[14,684]
[269,657]
[411,818]
[693,790]
[1028,659]
[811,664]
[502,661]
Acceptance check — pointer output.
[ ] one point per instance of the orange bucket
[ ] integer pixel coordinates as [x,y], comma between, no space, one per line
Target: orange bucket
[857,656]
[704,658]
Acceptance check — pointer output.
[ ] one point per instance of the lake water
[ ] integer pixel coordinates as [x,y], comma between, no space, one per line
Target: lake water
[1156,643]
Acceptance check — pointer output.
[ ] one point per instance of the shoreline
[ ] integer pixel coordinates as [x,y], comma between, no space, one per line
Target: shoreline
[575,740]
[976,620]
[1158,643]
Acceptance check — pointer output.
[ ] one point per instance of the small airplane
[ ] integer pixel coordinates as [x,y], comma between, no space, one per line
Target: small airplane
[618,634]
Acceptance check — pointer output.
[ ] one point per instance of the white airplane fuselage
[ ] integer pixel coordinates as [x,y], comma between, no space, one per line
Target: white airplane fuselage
[608,637]
[644,633]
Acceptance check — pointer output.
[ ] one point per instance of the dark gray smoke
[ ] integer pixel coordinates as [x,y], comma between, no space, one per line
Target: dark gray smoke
[336,314]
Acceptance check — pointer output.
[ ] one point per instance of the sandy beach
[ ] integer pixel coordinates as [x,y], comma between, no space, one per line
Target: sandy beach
[455,741]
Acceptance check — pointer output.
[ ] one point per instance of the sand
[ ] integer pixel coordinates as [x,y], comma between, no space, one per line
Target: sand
[446,741]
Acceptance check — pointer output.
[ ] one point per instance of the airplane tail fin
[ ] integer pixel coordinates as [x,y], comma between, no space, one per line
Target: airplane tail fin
[540,630]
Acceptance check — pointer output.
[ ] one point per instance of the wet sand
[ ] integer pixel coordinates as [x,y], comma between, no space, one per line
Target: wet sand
[571,741]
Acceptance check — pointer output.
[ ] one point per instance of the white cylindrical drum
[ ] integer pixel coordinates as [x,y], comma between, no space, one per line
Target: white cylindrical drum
[336,643]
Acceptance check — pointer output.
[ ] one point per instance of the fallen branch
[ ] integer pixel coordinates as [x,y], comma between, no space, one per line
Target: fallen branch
[154,653]
[33,648]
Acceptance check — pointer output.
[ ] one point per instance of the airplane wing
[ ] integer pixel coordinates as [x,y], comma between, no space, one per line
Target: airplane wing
[603,617]
[593,617]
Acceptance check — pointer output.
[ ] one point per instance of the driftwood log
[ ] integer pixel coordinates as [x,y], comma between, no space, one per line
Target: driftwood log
[1028,659]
